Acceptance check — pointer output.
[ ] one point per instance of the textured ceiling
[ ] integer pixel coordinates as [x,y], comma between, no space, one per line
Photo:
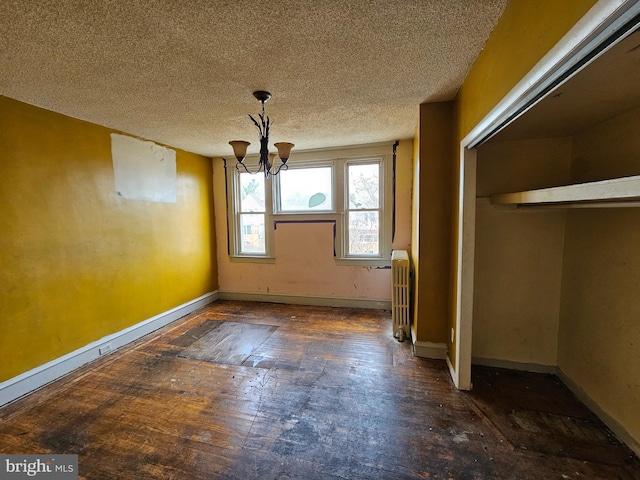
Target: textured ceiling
[182,73]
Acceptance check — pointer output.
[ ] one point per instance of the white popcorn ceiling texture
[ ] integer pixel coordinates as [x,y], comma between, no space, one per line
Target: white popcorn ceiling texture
[182,73]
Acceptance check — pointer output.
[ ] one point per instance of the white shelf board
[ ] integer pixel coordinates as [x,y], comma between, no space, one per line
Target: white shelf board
[625,189]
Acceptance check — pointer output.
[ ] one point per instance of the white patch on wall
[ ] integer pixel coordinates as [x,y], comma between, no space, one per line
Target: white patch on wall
[143,170]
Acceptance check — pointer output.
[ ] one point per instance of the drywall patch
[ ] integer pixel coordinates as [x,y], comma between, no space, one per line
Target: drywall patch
[143,170]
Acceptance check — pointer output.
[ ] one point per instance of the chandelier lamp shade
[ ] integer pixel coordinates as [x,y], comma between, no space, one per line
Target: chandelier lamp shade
[265,163]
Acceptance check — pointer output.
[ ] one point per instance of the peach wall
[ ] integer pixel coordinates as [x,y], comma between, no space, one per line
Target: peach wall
[304,264]
[404,193]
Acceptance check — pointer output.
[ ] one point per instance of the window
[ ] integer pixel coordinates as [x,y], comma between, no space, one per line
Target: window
[363,209]
[305,189]
[251,215]
[348,187]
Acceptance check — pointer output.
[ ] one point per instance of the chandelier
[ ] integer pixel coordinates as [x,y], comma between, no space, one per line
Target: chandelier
[265,164]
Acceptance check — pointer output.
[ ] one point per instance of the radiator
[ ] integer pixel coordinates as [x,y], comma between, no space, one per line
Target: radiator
[400,294]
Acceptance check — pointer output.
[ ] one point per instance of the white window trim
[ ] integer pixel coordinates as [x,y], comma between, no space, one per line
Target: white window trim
[233,189]
[384,222]
[339,158]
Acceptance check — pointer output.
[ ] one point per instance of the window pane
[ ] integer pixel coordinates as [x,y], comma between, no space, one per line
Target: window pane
[364,237]
[364,184]
[305,189]
[252,233]
[251,193]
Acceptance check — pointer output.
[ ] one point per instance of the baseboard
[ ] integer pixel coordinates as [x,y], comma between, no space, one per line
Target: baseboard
[430,350]
[616,427]
[27,382]
[511,365]
[307,300]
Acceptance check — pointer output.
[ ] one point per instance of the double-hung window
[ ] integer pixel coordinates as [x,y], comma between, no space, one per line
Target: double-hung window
[363,209]
[250,216]
[305,189]
[349,188]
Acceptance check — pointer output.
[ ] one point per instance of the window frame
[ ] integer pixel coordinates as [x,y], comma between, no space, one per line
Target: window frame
[235,225]
[238,224]
[380,209]
[299,166]
[339,159]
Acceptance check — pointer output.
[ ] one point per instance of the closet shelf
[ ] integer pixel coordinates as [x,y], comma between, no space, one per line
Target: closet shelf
[624,191]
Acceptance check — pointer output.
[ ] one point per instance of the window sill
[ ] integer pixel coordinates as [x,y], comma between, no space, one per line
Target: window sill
[378,263]
[364,262]
[251,259]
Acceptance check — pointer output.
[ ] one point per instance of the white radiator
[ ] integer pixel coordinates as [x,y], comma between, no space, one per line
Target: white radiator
[400,294]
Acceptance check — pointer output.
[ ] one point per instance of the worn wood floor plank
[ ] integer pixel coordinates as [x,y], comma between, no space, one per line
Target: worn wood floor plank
[327,394]
[230,343]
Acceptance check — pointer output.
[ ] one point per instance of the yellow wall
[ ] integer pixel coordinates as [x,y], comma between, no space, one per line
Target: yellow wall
[431,248]
[525,32]
[598,334]
[76,262]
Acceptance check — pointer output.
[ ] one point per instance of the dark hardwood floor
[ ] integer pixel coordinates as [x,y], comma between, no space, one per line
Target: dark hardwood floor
[263,391]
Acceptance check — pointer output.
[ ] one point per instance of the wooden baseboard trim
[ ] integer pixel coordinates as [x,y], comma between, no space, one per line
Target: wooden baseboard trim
[511,365]
[36,378]
[430,350]
[370,303]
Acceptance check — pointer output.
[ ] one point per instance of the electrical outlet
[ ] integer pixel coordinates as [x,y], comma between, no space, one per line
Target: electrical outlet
[104,349]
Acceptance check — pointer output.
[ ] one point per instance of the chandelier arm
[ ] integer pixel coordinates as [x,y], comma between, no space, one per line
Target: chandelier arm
[247,170]
[243,166]
[280,167]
